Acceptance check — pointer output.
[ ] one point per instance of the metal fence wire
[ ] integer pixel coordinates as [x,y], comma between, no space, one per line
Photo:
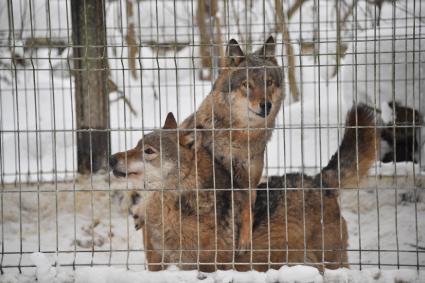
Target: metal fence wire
[95,172]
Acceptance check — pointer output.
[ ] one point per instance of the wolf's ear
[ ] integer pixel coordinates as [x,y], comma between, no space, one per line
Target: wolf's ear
[170,122]
[267,51]
[234,53]
[191,139]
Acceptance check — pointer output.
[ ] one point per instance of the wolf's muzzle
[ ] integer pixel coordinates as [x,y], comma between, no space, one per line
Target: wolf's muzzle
[113,161]
[119,174]
[265,108]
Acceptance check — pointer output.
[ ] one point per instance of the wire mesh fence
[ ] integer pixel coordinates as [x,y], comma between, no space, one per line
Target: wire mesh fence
[82,80]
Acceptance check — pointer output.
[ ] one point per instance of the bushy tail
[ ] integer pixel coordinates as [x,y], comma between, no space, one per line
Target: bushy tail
[358,149]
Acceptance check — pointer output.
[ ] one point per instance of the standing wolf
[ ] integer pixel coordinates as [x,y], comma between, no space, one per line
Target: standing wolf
[237,119]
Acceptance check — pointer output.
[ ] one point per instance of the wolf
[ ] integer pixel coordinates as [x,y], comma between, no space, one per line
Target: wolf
[237,119]
[189,222]
[186,216]
[305,226]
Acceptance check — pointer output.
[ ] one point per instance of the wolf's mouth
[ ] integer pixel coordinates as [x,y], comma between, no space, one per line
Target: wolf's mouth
[261,114]
[120,174]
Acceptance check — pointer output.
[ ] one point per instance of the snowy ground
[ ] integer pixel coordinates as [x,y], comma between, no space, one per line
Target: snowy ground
[44,273]
[38,145]
[74,222]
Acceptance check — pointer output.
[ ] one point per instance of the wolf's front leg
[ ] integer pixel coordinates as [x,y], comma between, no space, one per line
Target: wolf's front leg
[245,214]
[246,178]
[153,257]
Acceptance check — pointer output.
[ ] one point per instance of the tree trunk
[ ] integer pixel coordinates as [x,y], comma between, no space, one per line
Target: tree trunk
[91,75]
[206,11]
[283,29]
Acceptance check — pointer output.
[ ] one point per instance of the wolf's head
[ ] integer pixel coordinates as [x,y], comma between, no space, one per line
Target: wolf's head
[250,87]
[160,159]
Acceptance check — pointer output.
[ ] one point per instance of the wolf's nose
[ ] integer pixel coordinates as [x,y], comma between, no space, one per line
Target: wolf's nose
[265,107]
[112,161]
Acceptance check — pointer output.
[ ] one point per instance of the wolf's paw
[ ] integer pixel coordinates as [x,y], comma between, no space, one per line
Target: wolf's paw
[244,246]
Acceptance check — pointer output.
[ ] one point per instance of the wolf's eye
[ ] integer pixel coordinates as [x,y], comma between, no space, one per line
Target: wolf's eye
[149,150]
[269,82]
[135,216]
[246,84]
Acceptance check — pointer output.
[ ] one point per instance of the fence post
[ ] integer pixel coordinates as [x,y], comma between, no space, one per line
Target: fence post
[91,74]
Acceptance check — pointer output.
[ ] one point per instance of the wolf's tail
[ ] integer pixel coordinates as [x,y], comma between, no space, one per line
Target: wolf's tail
[357,151]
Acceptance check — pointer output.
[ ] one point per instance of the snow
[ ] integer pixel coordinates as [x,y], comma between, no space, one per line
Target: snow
[96,216]
[46,273]
[387,64]
[87,220]
[42,106]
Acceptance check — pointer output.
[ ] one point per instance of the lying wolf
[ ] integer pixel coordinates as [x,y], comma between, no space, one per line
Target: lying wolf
[188,217]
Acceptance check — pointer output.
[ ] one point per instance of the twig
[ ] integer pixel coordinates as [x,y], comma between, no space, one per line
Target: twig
[131,40]
[347,14]
[112,87]
[205,38]
[418,247]
[291,11]
[236,16]
[342,48]
[283,28]
[219,42]
[23,17]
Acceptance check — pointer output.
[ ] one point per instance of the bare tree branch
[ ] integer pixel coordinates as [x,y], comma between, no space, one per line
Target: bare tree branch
[23,18]
[236,16]
[207,21]
[291,11]
[283,28]
[131,40]
[219,41]
[344,19]
[112,87]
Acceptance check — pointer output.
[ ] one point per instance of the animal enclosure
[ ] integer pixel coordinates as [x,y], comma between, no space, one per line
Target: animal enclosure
[81,80]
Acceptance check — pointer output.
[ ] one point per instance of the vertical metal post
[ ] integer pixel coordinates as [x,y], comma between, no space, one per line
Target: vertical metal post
[91,74]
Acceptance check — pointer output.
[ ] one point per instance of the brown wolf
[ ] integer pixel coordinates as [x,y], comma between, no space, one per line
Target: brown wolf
[185,220]
[306,226]
[237,119]
[290,226]
[403,141]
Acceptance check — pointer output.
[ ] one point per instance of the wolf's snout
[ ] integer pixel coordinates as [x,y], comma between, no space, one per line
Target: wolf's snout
[113,161]
[265,108]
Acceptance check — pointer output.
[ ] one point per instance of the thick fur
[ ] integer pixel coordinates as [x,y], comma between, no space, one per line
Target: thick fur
[306,226]
[296,234]
[357,151]
[186,216]
[401,135]
[236,128]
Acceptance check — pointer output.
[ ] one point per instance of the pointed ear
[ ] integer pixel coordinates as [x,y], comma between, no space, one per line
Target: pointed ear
[191,139]
[267,51]
[170,122]
[234,54]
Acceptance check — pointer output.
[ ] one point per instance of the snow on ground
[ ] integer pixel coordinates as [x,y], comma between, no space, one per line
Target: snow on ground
[81,213]
[45,273]
[96,216]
